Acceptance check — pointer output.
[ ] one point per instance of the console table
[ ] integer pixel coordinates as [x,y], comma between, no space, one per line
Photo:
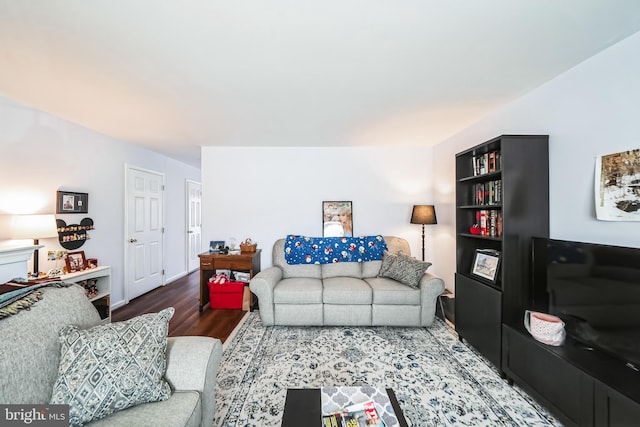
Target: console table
[211,261]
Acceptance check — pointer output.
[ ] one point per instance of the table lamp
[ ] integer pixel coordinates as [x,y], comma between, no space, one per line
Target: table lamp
[33,227]
[423,214]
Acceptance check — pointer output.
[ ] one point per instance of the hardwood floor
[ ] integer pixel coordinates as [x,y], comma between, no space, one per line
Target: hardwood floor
[184,296]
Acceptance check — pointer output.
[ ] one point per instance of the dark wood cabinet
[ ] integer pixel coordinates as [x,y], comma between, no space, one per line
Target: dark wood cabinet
[580,387]
[211,261]
[502,185]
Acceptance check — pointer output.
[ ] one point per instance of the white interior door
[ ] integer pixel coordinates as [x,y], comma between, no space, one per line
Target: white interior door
[194,224]
[145,229]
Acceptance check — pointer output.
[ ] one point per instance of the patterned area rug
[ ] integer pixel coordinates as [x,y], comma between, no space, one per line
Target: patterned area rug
[438,380]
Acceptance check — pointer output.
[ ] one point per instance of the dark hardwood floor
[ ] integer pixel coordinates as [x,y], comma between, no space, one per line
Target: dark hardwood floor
[184,296]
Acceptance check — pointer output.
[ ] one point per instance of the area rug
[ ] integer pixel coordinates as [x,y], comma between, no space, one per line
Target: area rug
[438,380]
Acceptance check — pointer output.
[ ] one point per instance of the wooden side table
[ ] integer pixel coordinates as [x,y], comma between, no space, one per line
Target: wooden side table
[211,261]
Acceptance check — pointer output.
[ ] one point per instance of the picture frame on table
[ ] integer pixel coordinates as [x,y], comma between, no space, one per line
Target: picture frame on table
[486,264]
[76,261]
[71,202]
[216,245]
[337,219]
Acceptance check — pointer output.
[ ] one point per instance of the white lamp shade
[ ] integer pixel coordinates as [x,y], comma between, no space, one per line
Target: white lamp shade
[33,227]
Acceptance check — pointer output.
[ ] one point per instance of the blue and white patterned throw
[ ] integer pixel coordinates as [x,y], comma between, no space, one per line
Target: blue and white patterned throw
[329,250]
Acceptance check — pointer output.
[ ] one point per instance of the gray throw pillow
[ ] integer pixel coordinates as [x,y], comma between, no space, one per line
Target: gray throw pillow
[112,367]
[404,269]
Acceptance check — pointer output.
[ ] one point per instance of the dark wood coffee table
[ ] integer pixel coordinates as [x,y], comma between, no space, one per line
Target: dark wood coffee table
[303,408]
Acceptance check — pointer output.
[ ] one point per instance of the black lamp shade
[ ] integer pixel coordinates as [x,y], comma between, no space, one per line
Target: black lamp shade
[423,214]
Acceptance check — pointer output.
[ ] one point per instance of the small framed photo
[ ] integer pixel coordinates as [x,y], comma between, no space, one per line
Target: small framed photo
[486,264]
[337,219]
[69,202]
[76,261]
[216,245]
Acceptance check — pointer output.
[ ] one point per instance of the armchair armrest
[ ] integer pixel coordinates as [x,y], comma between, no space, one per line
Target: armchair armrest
[192,364]
[262,285]
[431,287]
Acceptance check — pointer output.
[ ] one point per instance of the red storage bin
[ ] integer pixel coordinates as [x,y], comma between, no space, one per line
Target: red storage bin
[228,295]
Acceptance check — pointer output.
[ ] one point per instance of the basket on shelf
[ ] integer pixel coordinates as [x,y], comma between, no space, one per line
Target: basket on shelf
[248,246]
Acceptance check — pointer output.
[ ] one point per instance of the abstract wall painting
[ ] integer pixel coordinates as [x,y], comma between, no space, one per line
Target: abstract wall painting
[617,186]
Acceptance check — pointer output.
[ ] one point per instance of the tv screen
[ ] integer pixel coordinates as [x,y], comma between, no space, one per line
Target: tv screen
[595,290]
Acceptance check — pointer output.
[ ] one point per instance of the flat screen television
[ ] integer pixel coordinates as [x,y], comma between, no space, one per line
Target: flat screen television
[595,290]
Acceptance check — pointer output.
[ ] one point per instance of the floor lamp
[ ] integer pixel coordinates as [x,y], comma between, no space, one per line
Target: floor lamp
[423,214]
[34,227]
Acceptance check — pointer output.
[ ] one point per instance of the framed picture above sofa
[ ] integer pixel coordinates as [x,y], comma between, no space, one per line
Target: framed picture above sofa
[337,219]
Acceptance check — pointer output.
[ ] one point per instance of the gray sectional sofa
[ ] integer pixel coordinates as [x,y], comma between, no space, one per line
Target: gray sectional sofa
[30,356]
[349,293]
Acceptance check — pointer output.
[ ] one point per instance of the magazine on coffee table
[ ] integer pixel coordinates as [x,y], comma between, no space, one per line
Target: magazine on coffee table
[357,406]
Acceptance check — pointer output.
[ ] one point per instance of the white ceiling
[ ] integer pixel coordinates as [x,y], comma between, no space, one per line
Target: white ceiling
[175,75]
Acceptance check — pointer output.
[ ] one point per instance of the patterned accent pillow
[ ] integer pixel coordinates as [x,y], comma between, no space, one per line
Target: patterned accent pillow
[404,269]
[112,367]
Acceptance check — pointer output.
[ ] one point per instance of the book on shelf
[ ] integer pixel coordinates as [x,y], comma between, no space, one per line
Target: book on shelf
[486,163]
[490,222]
[487,193]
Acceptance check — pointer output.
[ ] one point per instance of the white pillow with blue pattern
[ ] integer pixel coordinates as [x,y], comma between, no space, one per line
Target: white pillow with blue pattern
[112,367]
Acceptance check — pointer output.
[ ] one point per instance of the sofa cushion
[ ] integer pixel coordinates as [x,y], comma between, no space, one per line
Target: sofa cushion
[371,268]
[342,269]
[298,291]
[112,367]
[404,269]
[391,292]
[182,409]
[346,290]
[288,270]
[32,344]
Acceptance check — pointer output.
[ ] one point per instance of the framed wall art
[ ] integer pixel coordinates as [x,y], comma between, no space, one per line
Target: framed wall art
[486,263]
[69,202]
[337,219]
[76,261]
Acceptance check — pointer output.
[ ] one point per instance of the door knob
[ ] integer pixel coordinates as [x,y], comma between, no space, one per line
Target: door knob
[133,240]
[190,232]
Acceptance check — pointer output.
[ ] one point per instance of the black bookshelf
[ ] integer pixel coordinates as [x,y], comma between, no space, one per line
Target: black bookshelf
[508,220]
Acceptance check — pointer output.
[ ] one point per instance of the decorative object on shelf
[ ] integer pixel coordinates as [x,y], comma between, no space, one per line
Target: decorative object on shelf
[216,245]
[92,262]
[33,227]
[72,236]
[247,245]
[486,263]
[617,186]
[76,261]
[70,202]
[337,219]
[90,287]
[474,229]
[546,328]
[423,214]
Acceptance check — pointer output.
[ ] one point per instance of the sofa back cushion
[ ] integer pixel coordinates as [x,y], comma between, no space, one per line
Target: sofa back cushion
[395,245]
[30,352]
[312,271]
[343,269]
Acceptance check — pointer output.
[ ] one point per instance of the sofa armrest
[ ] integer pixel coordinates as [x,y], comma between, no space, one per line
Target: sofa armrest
[262,284]
[192,364]
[431,287]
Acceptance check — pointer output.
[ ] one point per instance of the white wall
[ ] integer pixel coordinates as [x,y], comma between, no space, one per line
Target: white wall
[267,193]
[40,153]
[588,111]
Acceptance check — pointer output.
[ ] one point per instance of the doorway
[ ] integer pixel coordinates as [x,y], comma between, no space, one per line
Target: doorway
[194,224]
[144,231]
